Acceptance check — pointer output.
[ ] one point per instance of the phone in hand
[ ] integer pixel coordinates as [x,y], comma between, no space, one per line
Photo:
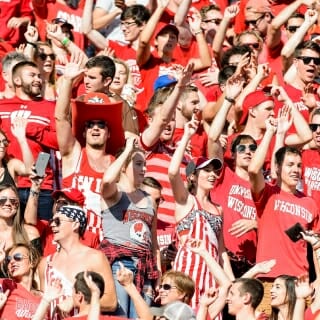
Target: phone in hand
[41,163]
[294,232]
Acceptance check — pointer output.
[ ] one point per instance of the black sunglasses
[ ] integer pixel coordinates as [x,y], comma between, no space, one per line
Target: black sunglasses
[307,60]
[5,142]
[217,21]
[44,56]
[16,257]
[167,286]
[254,22]
[255,45]
[293,29]
[241,148]
[13,201]
[100,124]
[57,221]
[314,126]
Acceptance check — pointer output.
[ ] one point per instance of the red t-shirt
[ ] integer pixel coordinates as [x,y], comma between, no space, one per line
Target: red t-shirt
[198,141]
[21,303]
[234,195]
[311,174]
[40,132]
[277,211]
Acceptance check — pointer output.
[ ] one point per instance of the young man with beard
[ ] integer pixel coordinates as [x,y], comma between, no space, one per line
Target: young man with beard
[84,162]
[41,134]
[189,104]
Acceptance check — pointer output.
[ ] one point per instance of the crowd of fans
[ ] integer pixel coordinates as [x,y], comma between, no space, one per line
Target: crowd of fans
[183,139]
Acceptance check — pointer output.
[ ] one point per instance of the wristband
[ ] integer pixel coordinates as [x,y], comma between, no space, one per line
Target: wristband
[31,44]
[65,41]
[197,32]
[230,99]
[34,193]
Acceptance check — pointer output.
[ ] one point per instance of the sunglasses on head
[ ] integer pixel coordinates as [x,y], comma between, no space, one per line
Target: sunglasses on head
[100,124]
[44,56]
[57,221]
[167,286]
[314,126]
[293,29]
[59,20]
[13,201]
[216,21]
[307,60]
[241,148]
[16,257]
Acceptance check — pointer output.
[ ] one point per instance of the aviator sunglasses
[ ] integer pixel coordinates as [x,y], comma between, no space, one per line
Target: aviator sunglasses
[241,148]
[16,257]
[13,201]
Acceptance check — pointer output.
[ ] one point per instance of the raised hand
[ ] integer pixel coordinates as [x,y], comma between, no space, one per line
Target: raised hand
[271,124]
[54,31]
[231,11]
[196,246]
[191,127]
[53,291]
[2,251]
[284,120]
[209,297]
[185,76]
[18,127]
[3,298]
[303,288]
[15,23]
[194,21]
[263,70]
[234,86]
[91,284]
[124,275]
[264,266]
[73,68]
[32,34]
[310,17]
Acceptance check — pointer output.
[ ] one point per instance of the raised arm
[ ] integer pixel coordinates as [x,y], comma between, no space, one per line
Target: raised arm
[103,17]
[143,52]
[93,35]
[257,161]
[180,192]
[66,140]
[109,188]
[233,89]
[160,119]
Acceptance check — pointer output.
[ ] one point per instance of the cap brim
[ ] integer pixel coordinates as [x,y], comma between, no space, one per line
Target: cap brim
[157,311]
[217,164]
[108,112]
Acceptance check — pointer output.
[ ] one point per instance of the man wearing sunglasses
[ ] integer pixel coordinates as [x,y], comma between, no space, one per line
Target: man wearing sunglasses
[96,133]
[68,225]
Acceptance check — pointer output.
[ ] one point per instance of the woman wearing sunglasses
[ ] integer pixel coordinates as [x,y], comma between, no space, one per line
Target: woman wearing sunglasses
[196,215]
[19,297]
[129,225]
[12,227]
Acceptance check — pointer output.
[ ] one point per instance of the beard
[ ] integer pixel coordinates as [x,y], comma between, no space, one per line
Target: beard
[30,90]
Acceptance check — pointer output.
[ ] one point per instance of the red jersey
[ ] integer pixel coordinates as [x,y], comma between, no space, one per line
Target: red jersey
[234,195]
[40,132]
[21,303]
[311,174]
[277,211]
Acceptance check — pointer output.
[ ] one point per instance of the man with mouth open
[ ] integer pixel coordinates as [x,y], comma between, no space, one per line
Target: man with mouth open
[302,89]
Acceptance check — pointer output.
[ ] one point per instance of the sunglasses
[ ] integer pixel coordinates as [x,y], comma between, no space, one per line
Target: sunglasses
[59,20]
[241,148]
[16,257]
[314,126]
[57,221]
[4,142]
[255,45]
[167,287]
[254,22]
[307,60]
[13,201]
[44,56]
[216,21]
[100,124]
[292,29]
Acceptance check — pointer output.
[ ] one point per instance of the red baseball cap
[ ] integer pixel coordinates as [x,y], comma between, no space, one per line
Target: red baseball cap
[71,193]
[252,100]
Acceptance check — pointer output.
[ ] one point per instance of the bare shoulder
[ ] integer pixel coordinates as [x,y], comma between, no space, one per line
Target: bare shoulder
[95,257]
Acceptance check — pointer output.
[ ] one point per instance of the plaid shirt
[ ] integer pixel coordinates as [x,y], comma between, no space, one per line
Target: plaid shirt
[147,264]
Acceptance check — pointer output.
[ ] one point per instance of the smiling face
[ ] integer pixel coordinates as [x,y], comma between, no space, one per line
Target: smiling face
[61,226]
[206,177]
[9,204]
[96,137]
[278,293]
[234,299]
[290,171]
[169,291]
[166,41]
[120,79]
[19,264]
[316,134]
[29,81]
[45,59]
